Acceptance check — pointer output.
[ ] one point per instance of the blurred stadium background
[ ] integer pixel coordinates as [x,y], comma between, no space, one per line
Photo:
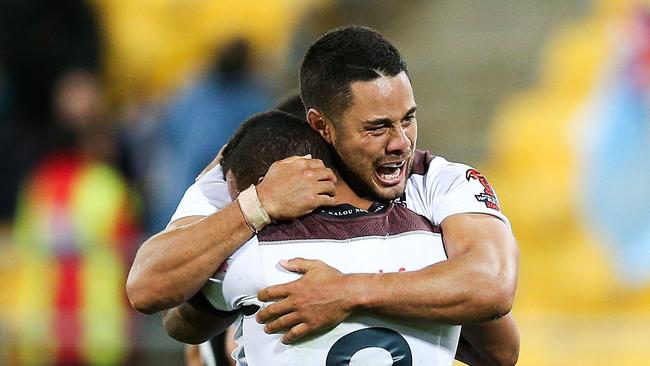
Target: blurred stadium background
[109,108]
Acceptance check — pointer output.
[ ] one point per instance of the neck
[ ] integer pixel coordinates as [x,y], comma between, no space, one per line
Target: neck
[345,194]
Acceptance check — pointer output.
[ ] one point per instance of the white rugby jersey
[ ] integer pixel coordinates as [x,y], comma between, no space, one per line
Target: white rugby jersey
[436,190]
[353,241]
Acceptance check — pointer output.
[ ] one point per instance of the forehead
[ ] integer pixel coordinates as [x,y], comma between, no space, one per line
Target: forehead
[385,97]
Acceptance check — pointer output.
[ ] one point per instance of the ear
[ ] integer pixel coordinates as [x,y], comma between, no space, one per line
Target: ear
[318,122]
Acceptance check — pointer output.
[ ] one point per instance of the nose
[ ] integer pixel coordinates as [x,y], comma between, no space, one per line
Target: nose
[399,142]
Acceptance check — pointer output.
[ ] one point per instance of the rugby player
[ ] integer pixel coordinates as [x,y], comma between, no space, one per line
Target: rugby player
[340,234]
[359,97]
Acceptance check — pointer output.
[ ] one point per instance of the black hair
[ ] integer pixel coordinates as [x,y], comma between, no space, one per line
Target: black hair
[266,138]
[292,104]
[340,57]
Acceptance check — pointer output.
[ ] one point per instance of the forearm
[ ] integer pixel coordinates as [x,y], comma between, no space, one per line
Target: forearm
[476,283]
[494,342]
[194,324]
[172,266]
[447,292]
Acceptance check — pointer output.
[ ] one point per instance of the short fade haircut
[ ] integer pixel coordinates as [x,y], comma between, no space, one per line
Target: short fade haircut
[340,57]
[266,138]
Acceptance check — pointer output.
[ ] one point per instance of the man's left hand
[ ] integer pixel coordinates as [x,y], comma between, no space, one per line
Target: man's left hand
[315,301]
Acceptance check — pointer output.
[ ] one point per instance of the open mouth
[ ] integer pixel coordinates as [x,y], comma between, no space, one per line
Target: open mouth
[390,174]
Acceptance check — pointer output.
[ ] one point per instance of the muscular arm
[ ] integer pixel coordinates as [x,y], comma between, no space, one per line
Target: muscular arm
[173,265]
[476,283]
[170,267]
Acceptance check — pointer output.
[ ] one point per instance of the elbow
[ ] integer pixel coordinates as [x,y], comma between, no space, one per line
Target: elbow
[146,298]
[139,299]
[510,359]
[495,299]
[143,306]
[503,300]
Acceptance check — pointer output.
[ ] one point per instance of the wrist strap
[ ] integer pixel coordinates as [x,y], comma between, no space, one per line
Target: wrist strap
[254,214]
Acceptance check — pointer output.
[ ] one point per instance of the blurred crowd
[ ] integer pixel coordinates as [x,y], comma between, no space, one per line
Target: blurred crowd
[87,173]
[110,108]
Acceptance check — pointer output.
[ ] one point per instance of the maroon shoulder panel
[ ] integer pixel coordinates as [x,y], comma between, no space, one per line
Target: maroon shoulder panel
[394,221]
[421,161]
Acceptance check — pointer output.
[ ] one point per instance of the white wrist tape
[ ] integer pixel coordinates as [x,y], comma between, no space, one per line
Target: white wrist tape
[254,214]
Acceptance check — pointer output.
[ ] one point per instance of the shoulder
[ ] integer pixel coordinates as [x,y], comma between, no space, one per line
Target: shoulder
[213,172]
[402,219]
[436,170]
[427,164]
[213,169]
[421,161]
[438,188]
[207,195]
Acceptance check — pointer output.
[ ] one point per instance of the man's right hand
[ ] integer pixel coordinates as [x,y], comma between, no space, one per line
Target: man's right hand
[295,186]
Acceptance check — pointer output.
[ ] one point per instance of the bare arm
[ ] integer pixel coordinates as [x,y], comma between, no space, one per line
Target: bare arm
[476,283]
[495,342]
[196,321]
[172,266]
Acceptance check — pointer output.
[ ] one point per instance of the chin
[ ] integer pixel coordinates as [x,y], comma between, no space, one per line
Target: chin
[389,193]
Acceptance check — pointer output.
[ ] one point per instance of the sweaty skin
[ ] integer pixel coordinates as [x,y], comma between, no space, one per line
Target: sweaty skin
[375,138]
[172,266]
[193,322]
[377,130]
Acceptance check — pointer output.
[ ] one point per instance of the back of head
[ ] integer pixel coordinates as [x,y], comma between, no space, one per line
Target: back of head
[292,104]
[343,56]
[266,138]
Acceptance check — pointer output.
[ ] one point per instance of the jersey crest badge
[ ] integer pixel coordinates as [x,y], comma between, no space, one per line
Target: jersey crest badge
[487,196]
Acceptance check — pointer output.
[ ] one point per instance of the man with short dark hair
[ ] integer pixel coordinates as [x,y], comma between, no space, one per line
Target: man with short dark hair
[384,234]
[359,98]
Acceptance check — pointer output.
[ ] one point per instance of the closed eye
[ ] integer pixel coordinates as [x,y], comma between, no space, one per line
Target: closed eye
[409,117]
[376,129]
[409,120]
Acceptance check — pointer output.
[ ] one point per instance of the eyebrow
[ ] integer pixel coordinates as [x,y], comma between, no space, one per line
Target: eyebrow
[385,121]
[410,111]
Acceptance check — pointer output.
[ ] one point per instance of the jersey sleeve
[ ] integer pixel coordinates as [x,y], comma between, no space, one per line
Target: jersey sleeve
[237,281]
[453,188]
[207,195]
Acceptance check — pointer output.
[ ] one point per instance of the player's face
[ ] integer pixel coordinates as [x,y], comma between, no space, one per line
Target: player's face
[375,137]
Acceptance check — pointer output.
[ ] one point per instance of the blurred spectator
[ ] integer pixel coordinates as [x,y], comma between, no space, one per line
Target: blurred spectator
[196,122]
[74,235]
[39,41]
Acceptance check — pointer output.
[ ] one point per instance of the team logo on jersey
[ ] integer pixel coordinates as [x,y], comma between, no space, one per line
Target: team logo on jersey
[488,196]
